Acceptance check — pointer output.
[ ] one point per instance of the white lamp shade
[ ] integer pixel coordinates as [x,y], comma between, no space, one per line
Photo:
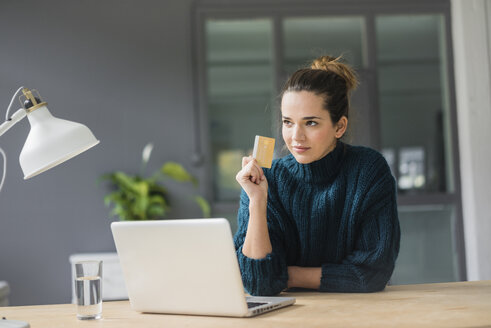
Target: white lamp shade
[51,141]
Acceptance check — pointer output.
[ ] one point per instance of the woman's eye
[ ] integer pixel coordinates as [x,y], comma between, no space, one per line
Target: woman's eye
[311,123]
[286,122]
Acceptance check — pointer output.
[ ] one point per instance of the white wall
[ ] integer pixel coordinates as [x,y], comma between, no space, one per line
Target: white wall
[471,31]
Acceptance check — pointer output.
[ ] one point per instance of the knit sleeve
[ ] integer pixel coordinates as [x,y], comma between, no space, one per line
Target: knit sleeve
[267,276]
[369,265]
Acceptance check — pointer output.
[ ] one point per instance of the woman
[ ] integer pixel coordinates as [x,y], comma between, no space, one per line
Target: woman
[325,216]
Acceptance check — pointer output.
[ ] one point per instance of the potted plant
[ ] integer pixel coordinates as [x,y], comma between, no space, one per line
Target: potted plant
[135,197]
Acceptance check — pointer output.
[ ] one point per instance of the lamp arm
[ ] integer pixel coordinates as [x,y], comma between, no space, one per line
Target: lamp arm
[11,102]
[4,167]
[11,121]
[16,117]
[5,126]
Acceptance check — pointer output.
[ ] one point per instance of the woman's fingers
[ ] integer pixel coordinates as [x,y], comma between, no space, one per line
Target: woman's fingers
[246,160]
[256,172]
[252,179]
[250,171]
[261,172]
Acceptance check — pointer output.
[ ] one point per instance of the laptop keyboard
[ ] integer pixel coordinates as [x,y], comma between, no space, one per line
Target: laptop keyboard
[254,304]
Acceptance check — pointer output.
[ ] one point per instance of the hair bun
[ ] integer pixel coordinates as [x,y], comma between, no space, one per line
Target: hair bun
[334,64]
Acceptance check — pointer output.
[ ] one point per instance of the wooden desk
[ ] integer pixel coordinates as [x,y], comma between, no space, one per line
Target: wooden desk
[462,304]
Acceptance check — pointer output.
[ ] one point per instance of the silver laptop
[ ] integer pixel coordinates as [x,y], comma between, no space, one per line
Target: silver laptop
[185,267]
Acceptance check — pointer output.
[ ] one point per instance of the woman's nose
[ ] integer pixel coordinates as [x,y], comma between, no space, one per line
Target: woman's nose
[298,133]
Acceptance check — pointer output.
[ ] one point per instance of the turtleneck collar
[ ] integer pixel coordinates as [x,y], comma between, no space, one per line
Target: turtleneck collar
[322,170]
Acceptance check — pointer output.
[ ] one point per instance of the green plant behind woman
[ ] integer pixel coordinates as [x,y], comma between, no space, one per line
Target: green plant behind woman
[135,197]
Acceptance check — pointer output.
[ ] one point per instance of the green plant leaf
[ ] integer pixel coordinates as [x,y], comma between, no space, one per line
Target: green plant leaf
[204,205]
[141,188]
[140,206]
[158,200]
[155,212]
[156,189]
[114,198]
[177,172]
[120,212]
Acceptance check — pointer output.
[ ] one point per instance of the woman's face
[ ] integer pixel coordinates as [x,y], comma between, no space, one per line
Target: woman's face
[307,130]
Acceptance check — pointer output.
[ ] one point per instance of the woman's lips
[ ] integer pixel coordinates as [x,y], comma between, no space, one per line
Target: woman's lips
[300,149]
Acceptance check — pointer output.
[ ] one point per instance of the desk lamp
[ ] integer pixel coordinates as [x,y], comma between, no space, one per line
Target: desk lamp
[51,141]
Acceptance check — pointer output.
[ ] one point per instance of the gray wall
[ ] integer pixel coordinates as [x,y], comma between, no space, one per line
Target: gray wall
[123,68]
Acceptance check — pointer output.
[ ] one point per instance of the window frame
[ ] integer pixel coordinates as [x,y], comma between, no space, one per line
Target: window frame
[203,10]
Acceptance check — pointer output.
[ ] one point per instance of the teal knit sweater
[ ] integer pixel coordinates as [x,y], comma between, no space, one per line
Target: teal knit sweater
[338,213]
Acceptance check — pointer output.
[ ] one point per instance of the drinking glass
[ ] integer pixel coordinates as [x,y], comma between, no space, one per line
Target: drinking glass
[88,289]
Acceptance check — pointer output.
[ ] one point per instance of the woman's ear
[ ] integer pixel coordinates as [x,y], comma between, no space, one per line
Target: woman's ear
[341,127]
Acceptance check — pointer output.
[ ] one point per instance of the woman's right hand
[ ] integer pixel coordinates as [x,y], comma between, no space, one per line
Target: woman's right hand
[251,178]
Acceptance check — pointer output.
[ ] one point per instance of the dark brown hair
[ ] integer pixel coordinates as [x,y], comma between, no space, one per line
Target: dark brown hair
[329,78]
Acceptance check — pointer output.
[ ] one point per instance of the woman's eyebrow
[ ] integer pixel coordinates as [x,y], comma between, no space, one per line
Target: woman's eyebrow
[304,118]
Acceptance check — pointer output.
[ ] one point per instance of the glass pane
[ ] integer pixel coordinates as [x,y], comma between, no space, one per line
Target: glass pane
[413,97]
[427,251]
[310,37]
[240,91]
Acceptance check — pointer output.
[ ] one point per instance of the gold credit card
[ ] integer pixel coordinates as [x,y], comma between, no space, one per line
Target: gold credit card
[263,151]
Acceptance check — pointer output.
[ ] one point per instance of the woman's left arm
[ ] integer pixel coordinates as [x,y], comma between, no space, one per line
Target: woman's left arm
[304,277]
[370,265]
